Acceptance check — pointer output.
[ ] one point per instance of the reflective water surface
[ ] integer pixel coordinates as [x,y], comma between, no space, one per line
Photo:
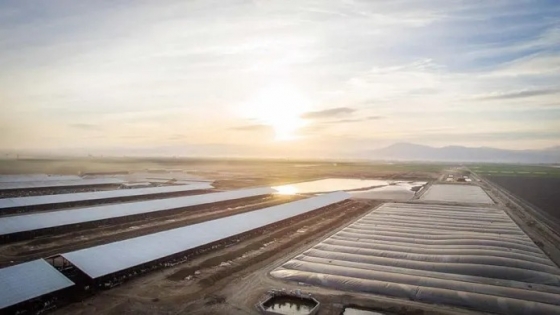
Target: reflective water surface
[290,306]
[360,188]
[399,190]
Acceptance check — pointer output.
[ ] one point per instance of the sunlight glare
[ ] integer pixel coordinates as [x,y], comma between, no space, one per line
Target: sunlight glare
[280,107]
[286,190]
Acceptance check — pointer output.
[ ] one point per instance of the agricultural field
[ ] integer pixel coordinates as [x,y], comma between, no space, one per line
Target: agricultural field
[516,170]
[229,173]
[541,192]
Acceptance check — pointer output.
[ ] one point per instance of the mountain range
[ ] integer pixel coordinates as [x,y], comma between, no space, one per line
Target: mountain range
[416,152]
[395,152]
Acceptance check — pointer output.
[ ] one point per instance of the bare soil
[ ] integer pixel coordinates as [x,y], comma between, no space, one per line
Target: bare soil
[528,218]
[541,192]
[89,203]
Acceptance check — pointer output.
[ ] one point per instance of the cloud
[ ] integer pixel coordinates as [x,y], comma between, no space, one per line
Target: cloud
[353,120]
[176,137]
[253,127]
[545,40]
[537,65]
[521,94]
[84,126]
[419,79]
[328,113]
[154,68]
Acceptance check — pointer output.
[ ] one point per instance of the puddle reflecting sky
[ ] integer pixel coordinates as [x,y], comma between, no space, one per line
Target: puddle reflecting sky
[290,306]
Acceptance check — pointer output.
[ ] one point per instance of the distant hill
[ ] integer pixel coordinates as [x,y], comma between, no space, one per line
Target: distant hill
[415,152]
[556,148]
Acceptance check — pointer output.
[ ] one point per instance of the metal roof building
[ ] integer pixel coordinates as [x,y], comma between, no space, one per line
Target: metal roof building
[36,177]
[106,259]
[38,221]
[29,280]
[59,183]
[96,195]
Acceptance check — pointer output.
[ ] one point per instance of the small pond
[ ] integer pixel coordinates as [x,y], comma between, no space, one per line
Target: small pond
[289,305]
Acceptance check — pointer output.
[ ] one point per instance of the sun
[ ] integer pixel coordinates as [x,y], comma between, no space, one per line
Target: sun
[279,106]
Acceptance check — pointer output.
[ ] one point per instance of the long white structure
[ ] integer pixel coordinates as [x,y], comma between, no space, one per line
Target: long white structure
[96,195]
[457,193]
[29,280]
[38,221]
[59,183]
[471,257]
[106,259]
[36,177]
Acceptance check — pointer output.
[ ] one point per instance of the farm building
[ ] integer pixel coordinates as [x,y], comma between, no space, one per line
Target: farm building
[21,204]
[33,286]
[30,225]
[27,185]
[108,264]
[36,177]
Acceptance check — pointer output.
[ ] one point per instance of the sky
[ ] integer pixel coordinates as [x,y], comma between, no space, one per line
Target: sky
[277,78]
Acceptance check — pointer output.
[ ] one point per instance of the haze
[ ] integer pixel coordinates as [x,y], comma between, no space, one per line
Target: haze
[268,78]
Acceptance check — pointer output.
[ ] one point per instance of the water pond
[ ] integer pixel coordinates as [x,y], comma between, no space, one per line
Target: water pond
[359,188]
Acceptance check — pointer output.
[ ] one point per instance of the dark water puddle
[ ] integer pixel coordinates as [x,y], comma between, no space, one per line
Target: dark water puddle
[290,305]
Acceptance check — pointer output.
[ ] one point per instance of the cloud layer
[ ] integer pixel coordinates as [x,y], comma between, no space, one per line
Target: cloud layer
[328,113]
[131,74]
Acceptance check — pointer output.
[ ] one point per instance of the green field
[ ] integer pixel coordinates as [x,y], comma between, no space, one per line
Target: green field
[515,170]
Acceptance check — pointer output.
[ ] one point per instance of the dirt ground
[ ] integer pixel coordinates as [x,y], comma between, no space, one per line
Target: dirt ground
[526,217]
[539,191]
